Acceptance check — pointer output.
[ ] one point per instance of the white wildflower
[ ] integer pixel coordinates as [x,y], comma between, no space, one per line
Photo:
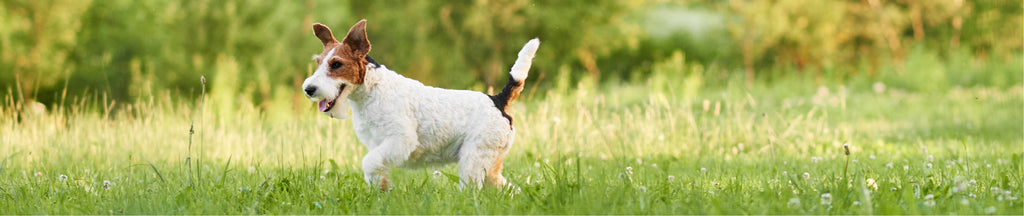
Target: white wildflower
[888,165]
[930,158]
[856,203]
[629,170]
[793,202]
[929,200]
[703,170]
[807,176]
[990,210]
[906,167]
[252,170]
[826,199]
[671,178]
[107,184]
[642,189]
[437,173]
[964,201]
[63,178]
[323,177]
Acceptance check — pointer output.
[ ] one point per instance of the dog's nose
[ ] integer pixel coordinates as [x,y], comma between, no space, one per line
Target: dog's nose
[310,90]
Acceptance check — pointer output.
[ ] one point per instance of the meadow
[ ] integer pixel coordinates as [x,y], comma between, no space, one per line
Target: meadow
[632,107]
[642,148]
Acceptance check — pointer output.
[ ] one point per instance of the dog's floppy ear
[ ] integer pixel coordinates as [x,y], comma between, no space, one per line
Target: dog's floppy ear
[321,31]
[356,38]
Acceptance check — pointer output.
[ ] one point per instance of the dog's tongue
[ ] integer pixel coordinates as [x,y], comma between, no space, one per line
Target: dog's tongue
[323,105]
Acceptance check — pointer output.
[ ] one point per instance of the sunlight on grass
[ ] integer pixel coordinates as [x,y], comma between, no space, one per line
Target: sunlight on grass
[611,151]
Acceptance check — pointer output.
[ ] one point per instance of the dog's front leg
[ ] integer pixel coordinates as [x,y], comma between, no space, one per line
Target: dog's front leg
[391,153]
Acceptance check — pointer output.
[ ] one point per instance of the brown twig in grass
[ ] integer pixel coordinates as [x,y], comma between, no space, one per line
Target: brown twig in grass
[192,131]
[846,147]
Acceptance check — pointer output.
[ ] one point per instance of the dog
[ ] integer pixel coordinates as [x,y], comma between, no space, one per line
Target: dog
[406,124]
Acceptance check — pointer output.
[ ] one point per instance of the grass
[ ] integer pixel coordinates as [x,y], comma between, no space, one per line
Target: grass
[608,149]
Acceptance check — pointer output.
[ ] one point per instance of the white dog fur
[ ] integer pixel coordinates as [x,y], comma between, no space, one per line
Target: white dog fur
[406,124]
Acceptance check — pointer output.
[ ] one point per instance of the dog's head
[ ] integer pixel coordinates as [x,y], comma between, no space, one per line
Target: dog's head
[340,69]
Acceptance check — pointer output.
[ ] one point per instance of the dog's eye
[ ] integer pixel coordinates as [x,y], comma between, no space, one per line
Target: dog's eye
[335,65]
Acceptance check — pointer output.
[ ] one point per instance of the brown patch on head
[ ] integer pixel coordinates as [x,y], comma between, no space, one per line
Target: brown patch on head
[349,59]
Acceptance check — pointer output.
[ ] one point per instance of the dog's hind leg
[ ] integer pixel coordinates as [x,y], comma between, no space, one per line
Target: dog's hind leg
[481,162]
[380,160]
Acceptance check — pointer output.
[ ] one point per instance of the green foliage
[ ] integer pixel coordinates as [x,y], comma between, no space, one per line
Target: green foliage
[130,50]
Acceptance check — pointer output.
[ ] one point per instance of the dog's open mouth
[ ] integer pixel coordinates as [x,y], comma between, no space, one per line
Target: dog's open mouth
[326,105]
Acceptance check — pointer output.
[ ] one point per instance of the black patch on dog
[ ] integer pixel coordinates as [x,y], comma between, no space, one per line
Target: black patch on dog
[368,59]
[501,99]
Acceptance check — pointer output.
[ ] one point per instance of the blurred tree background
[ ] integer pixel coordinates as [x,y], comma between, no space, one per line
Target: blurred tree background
[258,52]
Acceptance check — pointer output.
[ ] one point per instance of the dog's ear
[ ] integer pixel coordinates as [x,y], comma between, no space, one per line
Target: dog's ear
[321,31]
[356,38]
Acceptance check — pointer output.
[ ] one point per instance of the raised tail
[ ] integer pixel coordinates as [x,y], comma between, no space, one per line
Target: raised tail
[519,73]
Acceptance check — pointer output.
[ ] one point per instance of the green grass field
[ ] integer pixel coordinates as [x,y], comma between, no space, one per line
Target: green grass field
[619,149]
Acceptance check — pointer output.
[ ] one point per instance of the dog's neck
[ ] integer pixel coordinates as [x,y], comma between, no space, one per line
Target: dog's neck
[374,76]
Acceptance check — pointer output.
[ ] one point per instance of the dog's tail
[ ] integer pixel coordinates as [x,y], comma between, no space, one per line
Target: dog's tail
[519,74]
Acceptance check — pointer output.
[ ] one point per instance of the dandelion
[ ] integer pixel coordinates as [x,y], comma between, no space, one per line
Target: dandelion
[252,170]
[990,210]
[888,165]
[107,184]
[63,178]
[793,203]
[703,170]
[807,176]
[629,170]
[1007,195]
[960,187]
[671,178]
[437,173]
[929,200]
[826,199]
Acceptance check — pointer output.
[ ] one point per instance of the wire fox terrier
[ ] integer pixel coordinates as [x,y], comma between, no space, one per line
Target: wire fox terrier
[404,123]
